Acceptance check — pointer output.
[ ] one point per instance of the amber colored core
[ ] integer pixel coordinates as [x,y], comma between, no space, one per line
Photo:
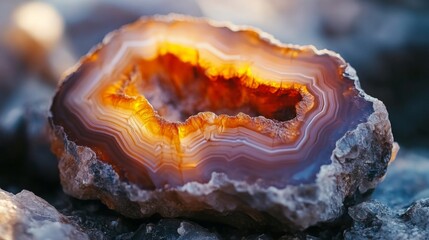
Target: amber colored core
[178,90]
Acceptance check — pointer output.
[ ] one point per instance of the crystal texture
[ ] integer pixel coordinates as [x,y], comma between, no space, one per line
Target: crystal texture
[188,117]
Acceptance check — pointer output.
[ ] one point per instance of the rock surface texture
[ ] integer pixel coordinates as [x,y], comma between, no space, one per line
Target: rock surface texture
[26,216]
[186,117]
[373,220]
[399,208]
[406,181]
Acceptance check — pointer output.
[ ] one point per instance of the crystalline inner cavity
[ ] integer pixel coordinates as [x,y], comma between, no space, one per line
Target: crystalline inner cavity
[178,90]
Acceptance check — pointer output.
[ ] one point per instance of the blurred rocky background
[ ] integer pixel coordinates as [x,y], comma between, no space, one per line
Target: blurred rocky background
[387,42]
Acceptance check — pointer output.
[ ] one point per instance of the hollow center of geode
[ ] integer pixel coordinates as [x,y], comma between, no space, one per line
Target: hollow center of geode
[178,90]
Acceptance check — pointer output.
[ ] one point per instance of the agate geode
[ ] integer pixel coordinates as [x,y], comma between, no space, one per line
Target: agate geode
[193,118]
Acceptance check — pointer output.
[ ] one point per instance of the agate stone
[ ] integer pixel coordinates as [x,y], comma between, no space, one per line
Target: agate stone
[187,117]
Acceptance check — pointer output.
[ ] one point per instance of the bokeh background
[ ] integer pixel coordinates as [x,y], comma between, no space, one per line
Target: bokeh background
[387,42]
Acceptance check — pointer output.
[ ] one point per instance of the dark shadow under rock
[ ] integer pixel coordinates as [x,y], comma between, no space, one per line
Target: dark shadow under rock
[171,229]
[94,218]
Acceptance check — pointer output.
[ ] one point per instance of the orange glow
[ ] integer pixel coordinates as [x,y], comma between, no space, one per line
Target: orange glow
[225,89]
[167,101]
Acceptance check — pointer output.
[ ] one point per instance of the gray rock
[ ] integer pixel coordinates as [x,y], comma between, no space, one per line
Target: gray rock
[26,216]
[399,208]
[406,181]
[373,220]
[400,205]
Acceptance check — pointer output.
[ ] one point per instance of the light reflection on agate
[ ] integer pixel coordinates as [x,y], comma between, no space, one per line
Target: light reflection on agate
[303,104]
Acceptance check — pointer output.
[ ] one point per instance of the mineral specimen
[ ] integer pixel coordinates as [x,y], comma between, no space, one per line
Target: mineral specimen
[194,118]
[26,216]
